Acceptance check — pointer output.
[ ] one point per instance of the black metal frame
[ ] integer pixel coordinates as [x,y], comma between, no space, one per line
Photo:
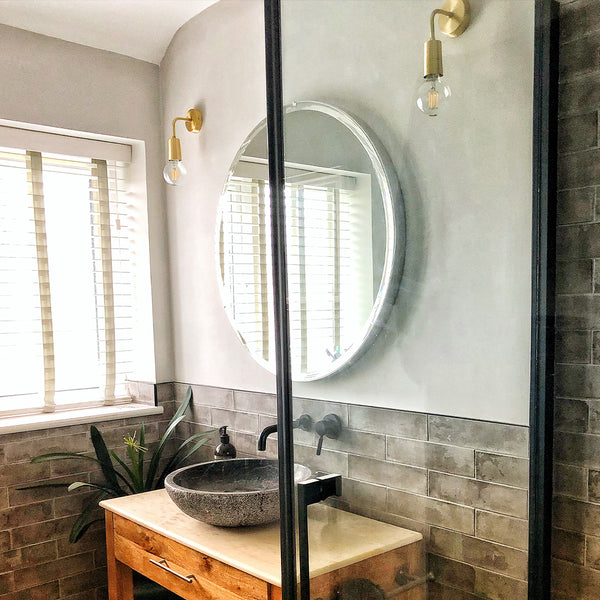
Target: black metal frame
[542,328]
[545,116]
[285,439]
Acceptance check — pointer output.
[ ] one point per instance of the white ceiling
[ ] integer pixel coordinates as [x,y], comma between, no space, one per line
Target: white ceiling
[138,28]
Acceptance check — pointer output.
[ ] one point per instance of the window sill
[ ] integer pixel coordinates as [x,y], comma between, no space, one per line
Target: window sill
[81,416]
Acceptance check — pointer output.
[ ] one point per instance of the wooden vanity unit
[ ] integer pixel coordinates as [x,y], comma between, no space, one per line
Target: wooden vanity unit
[149,534]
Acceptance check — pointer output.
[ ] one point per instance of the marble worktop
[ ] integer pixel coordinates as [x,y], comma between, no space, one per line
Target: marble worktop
[337,538]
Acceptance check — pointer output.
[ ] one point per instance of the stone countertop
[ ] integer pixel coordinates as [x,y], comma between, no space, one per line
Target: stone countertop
[337,538]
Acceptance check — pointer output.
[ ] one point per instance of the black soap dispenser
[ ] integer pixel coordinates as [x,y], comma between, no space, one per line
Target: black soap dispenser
[224,450]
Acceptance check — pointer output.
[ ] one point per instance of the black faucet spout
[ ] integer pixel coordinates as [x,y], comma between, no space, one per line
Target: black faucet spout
[264,434]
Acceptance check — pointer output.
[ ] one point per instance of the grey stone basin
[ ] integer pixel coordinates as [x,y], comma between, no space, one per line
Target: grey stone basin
[230,493]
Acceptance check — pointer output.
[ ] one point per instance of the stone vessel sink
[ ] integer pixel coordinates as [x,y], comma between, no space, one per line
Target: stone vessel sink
[230,493]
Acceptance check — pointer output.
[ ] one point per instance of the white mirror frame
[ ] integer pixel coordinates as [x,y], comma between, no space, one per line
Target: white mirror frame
[394,246]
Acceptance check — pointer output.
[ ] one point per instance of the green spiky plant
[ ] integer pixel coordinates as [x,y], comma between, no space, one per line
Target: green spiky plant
[123,479]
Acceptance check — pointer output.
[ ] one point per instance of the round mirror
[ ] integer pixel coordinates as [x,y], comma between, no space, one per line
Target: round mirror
[345,240]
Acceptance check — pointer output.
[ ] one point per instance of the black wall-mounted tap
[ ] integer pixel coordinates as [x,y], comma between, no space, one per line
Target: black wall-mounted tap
[329,426]
[303,422]
[264,434]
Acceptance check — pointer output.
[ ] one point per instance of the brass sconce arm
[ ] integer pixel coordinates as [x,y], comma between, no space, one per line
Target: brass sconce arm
[437,11]
[193,123]
[454,18]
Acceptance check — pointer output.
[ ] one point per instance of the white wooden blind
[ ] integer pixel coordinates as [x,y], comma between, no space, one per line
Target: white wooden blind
[326,249]
[67,291]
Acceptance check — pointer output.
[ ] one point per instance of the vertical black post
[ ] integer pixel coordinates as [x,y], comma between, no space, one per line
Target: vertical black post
[543,289]
[282,342]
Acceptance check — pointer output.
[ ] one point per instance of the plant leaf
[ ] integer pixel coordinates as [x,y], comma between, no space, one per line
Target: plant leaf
[61,456]
[97,486]
[83,522]
[179,456]
[104,459]
[127,471]
[78,533]
[184,405]
[141,453]
[44,485]
[175,420]
[154,462]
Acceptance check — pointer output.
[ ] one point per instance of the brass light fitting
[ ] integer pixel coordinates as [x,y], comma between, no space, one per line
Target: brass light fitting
[453,20]
[175,171]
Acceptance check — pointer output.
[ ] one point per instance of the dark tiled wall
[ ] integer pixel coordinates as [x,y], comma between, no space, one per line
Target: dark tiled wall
[462,483]
[576,543]
[37,562]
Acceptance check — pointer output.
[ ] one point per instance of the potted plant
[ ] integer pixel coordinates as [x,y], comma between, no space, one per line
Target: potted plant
[121,479]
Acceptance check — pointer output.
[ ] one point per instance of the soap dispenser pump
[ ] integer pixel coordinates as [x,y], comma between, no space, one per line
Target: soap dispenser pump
[224,450]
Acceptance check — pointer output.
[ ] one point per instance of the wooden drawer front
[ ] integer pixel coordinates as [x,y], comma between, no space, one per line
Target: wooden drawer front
[212,580]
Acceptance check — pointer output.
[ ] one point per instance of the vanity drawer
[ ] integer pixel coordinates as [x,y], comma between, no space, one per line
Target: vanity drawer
[209,578]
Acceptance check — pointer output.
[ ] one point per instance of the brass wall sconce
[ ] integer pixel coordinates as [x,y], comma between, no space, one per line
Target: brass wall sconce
[453,20]
[175,171]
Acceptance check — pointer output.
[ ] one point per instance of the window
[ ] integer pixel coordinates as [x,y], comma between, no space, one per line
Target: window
[67,280]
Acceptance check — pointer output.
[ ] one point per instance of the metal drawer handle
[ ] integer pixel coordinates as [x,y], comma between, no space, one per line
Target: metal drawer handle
[162,563]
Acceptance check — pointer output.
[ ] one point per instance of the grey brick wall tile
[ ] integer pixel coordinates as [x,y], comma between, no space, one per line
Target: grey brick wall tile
[592,552]
[199,413]
[479,494]
[328,461]
[578,449]
[212,396]
[451,573]
[575,242]
[574,277]
[578,18]
[593,416]
[480,435]
[573,347]
[247,422]
[593,486]
[576,515]
[494,585]
[440,457]
[579,95]
[570,581]
[498,468]
[580,56]
[359,493]
[265,404]
[571,415]
[579,132]
[576,206]
[220,417]
[479,553]
[358,442]
[388,421]
[503,529]
[578,381]
[568,545]
[570,480]
[431,511]
[388,474]
[595,346]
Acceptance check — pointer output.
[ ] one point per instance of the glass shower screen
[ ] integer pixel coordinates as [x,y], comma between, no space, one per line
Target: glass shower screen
[408,212]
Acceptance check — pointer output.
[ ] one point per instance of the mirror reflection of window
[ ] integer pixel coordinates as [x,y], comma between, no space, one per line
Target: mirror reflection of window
[329,253]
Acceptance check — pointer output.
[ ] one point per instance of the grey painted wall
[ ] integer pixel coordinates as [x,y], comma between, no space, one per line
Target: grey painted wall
[458,340]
